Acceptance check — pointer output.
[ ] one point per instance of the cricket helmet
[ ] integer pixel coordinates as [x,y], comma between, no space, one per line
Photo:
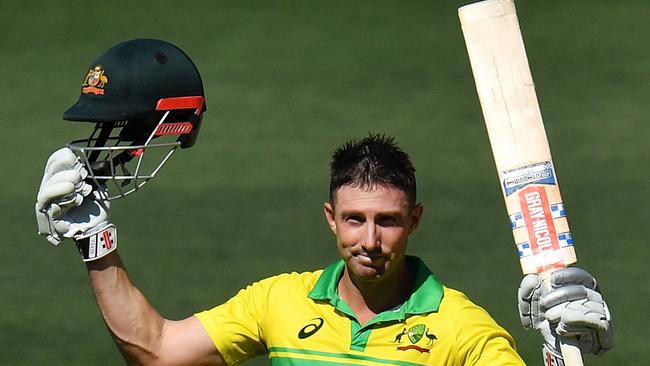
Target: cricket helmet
[146,99]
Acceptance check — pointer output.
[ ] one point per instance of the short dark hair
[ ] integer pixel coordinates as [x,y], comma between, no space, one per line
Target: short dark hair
[374,161]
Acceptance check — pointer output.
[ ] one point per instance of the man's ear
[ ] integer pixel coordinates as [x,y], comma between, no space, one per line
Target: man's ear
[416,215]
[328,209]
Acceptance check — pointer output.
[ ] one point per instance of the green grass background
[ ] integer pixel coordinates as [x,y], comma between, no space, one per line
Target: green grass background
[286,82]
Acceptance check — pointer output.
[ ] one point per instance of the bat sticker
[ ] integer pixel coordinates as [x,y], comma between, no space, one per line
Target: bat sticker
[538,219]
[524,249]
[538,173]
[565,239]
[517,219]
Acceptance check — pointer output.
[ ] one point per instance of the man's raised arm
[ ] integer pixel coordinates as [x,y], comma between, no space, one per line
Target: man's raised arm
[68,207]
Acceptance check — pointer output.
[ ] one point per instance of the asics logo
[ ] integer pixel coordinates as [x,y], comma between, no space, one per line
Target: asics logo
[311,328]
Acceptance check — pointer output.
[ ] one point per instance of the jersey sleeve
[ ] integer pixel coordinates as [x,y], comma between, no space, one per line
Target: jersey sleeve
[480,340]
[234,326]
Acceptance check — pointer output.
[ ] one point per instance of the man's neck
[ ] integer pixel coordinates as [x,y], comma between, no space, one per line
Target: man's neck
[369,298]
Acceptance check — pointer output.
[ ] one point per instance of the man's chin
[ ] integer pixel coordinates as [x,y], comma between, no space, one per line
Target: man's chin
[368,273]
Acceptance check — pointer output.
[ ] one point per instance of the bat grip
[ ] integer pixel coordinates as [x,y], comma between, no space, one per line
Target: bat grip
[570,352]
[568,345]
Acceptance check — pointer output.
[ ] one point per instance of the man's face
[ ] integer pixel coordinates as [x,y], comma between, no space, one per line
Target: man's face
[372,228]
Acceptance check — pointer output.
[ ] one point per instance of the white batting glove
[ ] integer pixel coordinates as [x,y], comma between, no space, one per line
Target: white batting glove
[573,307]
[68,207]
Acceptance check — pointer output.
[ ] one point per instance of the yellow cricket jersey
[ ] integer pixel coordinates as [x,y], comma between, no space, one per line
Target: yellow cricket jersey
[299,319]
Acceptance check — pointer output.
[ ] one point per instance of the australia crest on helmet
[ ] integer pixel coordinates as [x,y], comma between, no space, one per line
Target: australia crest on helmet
[95,81]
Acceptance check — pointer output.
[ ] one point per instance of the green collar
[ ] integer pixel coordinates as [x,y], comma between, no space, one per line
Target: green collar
[425,299]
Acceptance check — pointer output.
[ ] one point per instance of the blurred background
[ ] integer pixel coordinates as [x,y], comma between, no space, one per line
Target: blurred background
[286,83]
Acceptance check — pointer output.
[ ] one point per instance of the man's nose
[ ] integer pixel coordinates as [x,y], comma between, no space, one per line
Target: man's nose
[372,241]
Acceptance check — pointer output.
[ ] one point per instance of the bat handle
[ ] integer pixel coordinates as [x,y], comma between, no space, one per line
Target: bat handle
[571,352]
[568,345]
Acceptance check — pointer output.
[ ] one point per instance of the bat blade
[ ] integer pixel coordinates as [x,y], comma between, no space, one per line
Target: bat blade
[516,130]
[519,144]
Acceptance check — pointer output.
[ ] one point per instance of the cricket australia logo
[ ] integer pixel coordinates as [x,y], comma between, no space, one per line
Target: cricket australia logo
[416,336]
[95,81]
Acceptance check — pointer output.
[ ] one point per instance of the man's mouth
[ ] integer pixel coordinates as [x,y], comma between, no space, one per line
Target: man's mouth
[370,259]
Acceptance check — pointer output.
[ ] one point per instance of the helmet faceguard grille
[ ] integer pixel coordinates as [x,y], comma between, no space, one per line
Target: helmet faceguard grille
[125,155]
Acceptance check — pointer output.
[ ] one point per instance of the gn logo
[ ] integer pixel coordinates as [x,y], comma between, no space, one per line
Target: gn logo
[311,328]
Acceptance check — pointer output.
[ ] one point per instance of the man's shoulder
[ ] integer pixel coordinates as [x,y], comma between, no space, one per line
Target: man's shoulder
[291,280]
[454,294]
[457,305]
[457,300]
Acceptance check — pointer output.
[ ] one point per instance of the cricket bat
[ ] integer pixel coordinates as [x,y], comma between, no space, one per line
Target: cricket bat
[519,144]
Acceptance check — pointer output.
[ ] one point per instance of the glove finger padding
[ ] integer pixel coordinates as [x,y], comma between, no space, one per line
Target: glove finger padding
[585,317]
[90,214]
[60,160]
[53,190]
[565,294]
[63,189]
[80,187]
[573,307]
[47,194]
[528,301]
[532,316]
[573,276]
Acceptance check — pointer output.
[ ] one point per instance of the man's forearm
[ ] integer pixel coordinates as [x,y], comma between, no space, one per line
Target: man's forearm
[135,325]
